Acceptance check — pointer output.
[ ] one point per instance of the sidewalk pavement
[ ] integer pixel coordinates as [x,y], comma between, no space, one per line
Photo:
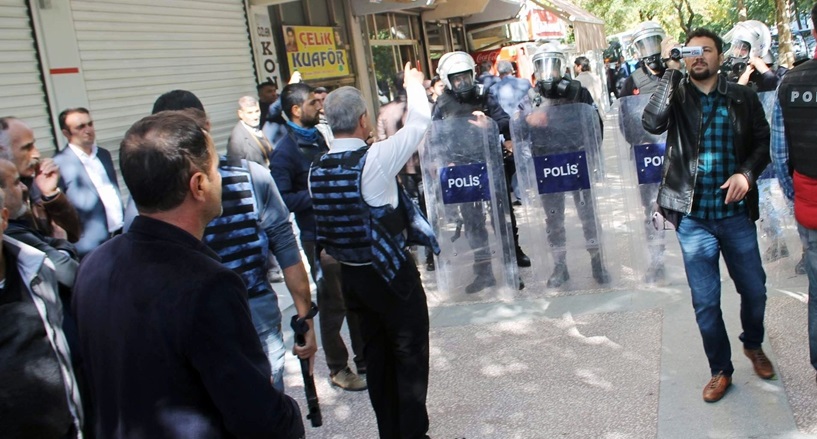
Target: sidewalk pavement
[620,362]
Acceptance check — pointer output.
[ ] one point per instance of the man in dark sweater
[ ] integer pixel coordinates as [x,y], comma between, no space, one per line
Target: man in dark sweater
[165,330]
[289,165]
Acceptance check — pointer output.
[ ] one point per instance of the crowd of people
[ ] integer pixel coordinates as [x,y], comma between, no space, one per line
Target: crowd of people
[154,316]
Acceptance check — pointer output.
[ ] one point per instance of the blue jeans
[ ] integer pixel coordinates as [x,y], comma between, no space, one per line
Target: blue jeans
[809,238]
[702,242]
[267,320]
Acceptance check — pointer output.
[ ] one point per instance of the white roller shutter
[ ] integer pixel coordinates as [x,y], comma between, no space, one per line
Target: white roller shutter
[132,51]
[22,94]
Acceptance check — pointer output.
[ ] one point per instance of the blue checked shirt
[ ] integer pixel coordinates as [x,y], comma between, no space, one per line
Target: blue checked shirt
[780,152]
[716,161]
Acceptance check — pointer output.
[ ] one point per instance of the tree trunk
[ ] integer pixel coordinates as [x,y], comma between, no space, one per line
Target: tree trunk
[684,7]
[742,12]
[785,52]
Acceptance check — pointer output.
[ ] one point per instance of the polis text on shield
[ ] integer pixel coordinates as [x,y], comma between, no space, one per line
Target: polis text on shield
[317,59]
[657,160]
[562,171]
[469,181]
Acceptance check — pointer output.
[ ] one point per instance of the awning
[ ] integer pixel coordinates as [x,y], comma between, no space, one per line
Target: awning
[587,28]
[474,11]
[367,7]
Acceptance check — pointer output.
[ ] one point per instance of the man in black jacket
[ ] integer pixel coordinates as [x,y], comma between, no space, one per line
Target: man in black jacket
[717,145]
[185,360]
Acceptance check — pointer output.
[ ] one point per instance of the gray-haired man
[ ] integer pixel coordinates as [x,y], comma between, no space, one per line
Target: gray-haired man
[246,140]
[361,215]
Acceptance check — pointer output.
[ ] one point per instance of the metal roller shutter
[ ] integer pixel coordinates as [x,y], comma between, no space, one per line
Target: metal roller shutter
[132,51]
[22,94]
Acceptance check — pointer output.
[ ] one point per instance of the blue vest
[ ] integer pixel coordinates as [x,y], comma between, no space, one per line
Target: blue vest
[235,235]
[352,231]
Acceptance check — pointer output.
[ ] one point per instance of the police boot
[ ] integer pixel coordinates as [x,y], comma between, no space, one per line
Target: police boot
[655,271]
[599,272]
[484,279]
[560,274]
[522,260]
[800,268]
[777,250]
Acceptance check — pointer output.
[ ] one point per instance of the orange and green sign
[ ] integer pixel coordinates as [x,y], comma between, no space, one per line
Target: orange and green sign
[315,51]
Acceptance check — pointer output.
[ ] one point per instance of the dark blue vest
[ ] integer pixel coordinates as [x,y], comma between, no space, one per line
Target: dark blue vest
[235,235]
[350,230]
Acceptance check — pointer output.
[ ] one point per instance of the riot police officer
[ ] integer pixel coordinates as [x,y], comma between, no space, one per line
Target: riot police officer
[463,97]
[647,37]
[798,175]
[749,60]
[552,89]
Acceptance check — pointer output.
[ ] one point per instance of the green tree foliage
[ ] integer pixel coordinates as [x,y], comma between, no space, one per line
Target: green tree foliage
[677,16]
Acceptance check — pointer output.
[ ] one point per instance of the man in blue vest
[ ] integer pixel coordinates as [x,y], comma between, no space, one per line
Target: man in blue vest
[289,165]
[254,221]
[365,220]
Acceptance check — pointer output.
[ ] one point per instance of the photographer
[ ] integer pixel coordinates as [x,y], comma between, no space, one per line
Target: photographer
[717,145]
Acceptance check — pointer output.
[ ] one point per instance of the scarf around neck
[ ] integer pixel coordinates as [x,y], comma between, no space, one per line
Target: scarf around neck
[306,134]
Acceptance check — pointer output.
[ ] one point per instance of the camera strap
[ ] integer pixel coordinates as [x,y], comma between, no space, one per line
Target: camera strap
[710,117]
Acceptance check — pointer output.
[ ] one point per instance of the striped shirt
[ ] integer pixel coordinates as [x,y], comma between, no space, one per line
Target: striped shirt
[716,160]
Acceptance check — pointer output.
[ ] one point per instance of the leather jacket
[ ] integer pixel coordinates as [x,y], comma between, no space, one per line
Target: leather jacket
[675,107]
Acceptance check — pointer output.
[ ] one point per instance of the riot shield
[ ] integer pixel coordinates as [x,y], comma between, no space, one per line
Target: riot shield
[467,199]
[641,155]
[558,165]
[778,239]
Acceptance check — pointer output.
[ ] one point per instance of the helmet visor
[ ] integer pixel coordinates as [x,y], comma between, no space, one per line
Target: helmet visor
[462,81]
[647,46]
[548,68]
[739,49]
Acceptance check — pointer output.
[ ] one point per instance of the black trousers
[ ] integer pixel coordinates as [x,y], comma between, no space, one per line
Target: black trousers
[395,325]
[333,311]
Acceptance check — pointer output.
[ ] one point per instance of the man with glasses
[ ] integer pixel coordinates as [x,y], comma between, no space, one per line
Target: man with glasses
[89,180]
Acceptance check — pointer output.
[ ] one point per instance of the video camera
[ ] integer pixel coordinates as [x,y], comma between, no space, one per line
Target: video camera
[676,53]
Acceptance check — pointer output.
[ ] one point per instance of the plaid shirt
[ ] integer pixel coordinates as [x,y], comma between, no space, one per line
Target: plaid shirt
[780,152]
[716,161]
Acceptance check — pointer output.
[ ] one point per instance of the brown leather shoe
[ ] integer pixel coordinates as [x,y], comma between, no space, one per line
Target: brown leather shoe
[763,367]
[716,387]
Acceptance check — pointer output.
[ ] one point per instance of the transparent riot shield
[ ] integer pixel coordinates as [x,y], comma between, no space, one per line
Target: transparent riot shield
[558,165]
[467,199]
[641,156]
[778,239]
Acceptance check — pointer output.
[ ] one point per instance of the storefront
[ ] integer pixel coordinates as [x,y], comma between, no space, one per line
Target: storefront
[116,58]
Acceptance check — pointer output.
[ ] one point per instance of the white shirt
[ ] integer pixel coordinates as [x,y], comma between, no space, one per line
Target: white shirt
[104,187]
[386,158]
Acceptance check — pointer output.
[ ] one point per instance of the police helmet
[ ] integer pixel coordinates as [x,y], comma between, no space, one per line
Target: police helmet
[749,38]
[647,38]
[549,62]
[457,71]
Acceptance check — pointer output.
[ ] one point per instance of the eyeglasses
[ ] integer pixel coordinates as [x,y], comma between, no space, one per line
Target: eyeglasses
[82,126]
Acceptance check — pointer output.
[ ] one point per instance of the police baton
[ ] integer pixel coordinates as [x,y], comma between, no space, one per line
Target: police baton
[300,327]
